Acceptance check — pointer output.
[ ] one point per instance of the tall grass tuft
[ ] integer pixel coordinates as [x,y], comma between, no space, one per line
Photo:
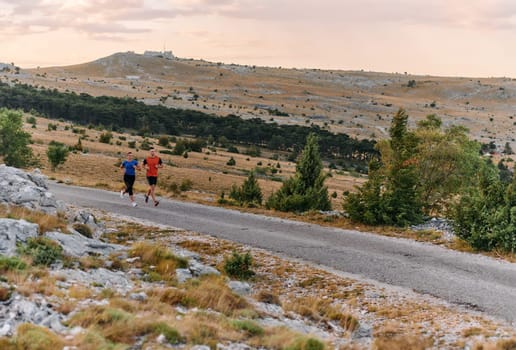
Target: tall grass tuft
[212,292]
[32,337]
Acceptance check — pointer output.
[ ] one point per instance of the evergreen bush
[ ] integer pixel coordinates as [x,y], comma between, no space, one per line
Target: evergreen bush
[239,265]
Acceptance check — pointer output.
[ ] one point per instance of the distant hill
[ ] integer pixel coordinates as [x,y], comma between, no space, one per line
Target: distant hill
[356,103]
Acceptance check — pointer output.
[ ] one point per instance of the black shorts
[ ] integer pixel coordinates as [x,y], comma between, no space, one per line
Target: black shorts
[152,180]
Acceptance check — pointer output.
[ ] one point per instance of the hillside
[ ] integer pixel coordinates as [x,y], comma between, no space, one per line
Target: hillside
[357,103]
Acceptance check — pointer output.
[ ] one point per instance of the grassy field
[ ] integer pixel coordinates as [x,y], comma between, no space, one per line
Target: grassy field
[207,173]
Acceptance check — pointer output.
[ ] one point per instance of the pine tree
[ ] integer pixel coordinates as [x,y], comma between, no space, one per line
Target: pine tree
[390,196]
[305,190]
[249,193]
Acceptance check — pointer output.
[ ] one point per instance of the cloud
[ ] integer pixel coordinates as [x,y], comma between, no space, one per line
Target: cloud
[112,18]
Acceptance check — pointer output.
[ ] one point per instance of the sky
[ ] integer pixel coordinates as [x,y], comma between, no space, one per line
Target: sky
[471,38]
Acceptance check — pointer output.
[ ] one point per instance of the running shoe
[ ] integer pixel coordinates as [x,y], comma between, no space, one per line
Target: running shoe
[122,193]
[146,199]
[156,203]
[134,204]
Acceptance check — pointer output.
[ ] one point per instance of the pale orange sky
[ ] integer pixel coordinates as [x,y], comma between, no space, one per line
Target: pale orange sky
[436,37]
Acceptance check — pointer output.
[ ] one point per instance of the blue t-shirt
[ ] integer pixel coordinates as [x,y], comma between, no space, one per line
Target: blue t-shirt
[130,166]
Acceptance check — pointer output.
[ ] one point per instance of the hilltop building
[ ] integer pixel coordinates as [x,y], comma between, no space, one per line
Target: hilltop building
[164,54]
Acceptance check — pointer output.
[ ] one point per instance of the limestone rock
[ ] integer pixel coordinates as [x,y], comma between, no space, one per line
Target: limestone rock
[13,231]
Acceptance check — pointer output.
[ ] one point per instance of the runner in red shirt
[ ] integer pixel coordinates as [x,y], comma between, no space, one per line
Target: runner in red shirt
[152,164]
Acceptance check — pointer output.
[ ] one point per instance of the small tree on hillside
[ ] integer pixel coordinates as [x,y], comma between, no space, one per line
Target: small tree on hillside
[106,137]
[305,190]
[14,142]
[164,141]
[57,153]
[390,196]
[249,193]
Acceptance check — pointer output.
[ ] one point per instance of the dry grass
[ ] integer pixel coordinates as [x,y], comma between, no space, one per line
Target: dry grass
[7,344]
[91,262]
[66,306]
[211,292]
[157,259]
[5,293]
[94,340]
[405,342]
[318,310]
[131,232]
[45,222]
[80,292]
[115,324]
[208,329]
[34,337]
[268,297]
[392,336]
[206,248]
[171,296]
[39,282]
[504,344]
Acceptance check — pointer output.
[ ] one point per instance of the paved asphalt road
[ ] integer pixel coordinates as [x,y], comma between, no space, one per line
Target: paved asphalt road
[476,281]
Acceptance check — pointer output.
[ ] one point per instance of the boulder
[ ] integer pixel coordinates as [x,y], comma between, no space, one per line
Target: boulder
[15,231]
[77,245]
[197,269]
[240,288]
[115,280]
[28,190]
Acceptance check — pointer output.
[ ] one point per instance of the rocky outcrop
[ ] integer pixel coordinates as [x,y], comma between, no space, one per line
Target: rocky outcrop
[38,311]
[77,245]
[28,190]
[15,231]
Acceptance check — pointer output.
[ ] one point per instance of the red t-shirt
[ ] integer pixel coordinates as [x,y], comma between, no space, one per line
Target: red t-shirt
[152,163]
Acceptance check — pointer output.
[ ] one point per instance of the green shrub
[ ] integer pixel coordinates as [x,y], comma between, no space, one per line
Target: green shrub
[306,344]
[186,185]
[171,335]
[146,145]
[239,265]
[106,137]
[233,149]
[250,327]
[231,162]
[57,153]
[253,151]
[249,193]
[163,141]
[11,264]
[43,250]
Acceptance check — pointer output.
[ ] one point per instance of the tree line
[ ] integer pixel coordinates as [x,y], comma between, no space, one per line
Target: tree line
[126,113]
[431,171]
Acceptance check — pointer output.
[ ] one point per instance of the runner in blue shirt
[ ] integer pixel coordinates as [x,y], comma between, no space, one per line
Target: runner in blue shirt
[130,166]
